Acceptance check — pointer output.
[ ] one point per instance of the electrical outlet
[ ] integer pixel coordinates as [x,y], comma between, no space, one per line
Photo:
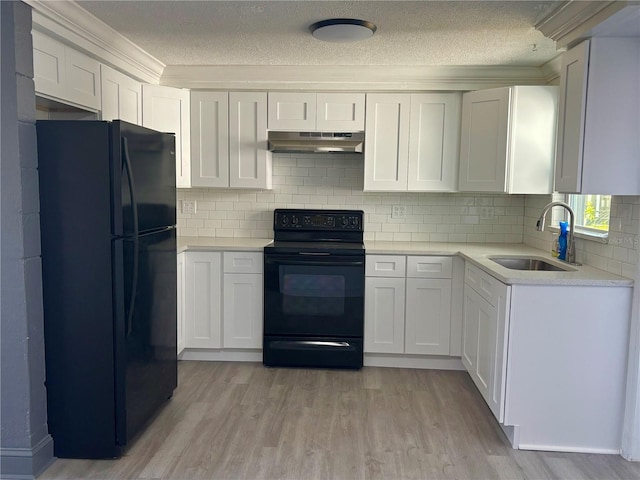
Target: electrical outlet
[399,211]
[486,213]
[189,207]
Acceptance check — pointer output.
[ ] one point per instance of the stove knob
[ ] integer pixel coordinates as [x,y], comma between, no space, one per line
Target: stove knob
[285,220]
[345,221]
[354,221]
[294,220]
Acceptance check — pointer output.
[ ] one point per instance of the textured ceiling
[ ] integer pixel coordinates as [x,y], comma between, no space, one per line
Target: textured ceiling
[276,32]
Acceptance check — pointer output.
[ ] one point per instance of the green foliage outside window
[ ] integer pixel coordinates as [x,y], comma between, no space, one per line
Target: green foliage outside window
[596,218]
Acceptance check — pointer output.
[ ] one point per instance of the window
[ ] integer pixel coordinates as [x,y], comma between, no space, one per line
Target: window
[592,212]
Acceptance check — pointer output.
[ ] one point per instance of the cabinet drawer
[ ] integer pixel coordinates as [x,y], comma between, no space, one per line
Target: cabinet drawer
[242,262]
[487,287]
[385,266]
[429,267]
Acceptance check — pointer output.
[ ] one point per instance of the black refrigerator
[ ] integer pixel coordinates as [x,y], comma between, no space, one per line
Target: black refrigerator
[108,236]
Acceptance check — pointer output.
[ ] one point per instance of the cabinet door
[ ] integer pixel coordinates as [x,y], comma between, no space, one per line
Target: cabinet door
[49,72]
[166,109]
[484,346]
[340,112]
[478,339]
[292,111]
[242,317]
[121,96]
[180,284]
[571,116]
[428,316]
[483,142]
[433,142]
[384,315]
[209,139]
[83,79]
[203,300]
[470,321]
[250,162]
[386,153]
[65,74]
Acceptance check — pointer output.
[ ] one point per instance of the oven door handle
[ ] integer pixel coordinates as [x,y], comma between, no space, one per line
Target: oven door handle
[313,262]
[309,345]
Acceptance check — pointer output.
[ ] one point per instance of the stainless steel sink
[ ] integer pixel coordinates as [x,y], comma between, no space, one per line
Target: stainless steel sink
[529,263]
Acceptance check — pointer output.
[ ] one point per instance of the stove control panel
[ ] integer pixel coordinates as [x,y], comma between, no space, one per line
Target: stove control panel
[325,220]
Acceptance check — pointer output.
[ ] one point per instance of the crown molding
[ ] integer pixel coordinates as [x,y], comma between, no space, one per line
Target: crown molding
[71,24]
[572,21]
[350,78]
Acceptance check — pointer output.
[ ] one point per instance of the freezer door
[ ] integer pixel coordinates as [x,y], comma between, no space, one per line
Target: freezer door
[144,173]
[147,373]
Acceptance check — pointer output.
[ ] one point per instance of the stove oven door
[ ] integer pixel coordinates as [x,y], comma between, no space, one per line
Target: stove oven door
[314,295]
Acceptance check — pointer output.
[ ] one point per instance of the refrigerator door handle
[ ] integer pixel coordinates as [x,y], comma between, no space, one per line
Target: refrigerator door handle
[134,213]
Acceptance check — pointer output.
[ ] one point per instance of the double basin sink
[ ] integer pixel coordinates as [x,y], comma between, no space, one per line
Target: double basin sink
[529,264]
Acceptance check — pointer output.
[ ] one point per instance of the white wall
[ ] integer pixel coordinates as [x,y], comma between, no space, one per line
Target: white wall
[25,445]
[336,181]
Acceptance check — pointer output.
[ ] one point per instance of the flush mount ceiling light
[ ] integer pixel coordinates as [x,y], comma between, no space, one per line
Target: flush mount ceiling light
[342,30]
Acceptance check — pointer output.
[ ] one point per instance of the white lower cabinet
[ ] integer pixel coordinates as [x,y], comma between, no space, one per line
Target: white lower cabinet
[384,315]
[549,360]
[428,316]
[203,288]
[408,304]
[222,300]
[486,302]
[242,310]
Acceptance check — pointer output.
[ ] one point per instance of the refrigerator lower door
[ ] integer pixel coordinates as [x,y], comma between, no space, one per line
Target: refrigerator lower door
[147,374]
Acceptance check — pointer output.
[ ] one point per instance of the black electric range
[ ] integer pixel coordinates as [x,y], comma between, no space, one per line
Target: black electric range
[314,289]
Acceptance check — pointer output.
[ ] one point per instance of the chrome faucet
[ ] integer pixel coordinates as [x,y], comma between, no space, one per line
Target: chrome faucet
[571,246]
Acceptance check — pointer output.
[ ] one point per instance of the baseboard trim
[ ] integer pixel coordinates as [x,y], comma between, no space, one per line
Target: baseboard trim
[370,360]
[218,355]
[26,463]
[404,361]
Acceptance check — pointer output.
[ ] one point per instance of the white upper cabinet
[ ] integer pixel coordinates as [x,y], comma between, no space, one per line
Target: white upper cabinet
[209,139]
[310,111]
[250,163]
[62,73]
[121,96]
[166,109]
[386,148]
[229,140]
[292,111]
[434,138]
[340,112]
[411,142]
[508,140]
[598,143]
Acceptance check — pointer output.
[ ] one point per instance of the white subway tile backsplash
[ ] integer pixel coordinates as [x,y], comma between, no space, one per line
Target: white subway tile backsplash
[336,182]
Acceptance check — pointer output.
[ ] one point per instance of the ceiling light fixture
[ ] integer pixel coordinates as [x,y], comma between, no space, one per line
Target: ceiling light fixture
[342,30]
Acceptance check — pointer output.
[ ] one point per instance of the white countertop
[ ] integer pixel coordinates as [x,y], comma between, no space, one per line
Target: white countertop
[222,243]
[478,253]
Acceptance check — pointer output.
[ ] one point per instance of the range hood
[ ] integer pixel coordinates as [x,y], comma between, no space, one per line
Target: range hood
[316,142]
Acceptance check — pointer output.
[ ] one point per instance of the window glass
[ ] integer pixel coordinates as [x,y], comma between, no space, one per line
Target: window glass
[592,212]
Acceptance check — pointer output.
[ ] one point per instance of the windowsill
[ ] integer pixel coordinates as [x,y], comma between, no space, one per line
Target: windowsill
[586,235]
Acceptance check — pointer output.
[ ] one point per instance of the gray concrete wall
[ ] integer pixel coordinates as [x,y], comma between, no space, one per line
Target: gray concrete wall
[25,445]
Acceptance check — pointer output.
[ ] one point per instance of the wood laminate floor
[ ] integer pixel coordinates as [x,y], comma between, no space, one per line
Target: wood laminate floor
[245,421]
